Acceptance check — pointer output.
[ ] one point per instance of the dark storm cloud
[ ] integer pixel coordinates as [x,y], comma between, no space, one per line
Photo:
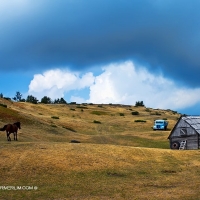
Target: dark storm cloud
[160,34]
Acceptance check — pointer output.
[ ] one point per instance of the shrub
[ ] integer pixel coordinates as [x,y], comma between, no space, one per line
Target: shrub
[135,113]
[55,117]
[3,105]
[7,98]
[98,122]
[75,141]
[121,114]
[139,120]
[98,113]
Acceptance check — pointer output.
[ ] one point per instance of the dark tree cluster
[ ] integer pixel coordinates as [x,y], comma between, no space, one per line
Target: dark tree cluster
[46,100]
[60,101]
[34,100]
[139,103]
[31,99]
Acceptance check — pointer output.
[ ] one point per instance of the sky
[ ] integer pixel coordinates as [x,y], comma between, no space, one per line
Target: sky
[103,51]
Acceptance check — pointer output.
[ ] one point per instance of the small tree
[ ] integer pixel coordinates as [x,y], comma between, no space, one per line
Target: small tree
[18,96]
[1,95]
[31,99]
[62,101]
[46,100]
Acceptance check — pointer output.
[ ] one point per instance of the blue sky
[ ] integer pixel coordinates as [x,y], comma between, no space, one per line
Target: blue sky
[103,51]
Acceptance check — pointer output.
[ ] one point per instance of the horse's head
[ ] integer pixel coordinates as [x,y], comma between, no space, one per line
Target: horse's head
[18,124]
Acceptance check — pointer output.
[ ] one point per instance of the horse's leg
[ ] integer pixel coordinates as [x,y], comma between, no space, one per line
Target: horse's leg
[8,136]
[15,135]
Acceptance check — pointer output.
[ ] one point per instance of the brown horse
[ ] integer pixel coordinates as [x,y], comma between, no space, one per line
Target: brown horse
[11,128]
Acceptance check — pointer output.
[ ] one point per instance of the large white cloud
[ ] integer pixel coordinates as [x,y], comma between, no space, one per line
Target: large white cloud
[121,83]
[54,83]
[124,83]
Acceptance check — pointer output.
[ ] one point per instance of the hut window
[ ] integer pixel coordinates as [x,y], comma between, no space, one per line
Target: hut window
[183,131]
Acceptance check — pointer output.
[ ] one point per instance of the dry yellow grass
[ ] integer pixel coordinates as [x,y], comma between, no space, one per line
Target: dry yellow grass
[93,171]
[111,162]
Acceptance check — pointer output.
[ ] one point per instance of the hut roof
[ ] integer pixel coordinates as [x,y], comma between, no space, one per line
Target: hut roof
[193,121]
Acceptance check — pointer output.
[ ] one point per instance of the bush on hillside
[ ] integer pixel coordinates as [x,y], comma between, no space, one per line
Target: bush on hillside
[135,113]
[3,105]
[7,98]
[139,120]
[96,112]
[55,117]
[97,122]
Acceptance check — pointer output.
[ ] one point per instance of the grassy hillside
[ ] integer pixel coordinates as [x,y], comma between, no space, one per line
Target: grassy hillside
[96,124]
[117,158]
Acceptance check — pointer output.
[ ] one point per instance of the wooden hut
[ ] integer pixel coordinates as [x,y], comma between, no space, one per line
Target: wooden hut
[185,134]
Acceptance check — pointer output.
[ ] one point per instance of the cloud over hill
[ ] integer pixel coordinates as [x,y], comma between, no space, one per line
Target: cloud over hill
[119,83]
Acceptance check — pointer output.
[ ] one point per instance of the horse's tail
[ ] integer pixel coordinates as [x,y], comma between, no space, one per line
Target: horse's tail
[4,128]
